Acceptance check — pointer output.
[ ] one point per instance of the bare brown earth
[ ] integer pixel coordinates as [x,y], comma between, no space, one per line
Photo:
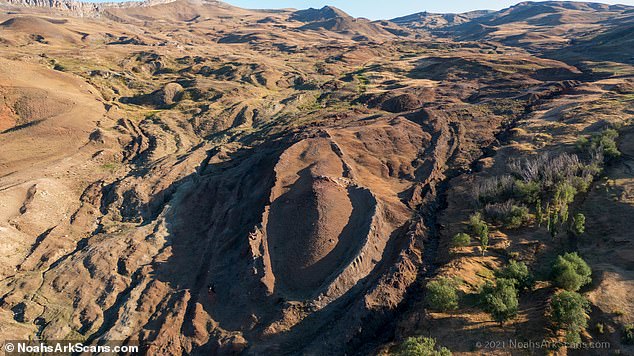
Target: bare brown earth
[215,180]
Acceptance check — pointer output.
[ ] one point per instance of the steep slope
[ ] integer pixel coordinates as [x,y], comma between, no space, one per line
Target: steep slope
[332,19]
[432,21]
[542,25]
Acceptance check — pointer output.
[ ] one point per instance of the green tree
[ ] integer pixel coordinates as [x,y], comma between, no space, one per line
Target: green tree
[568,311]
[461,240]
[484,243]
[564,194]
[500,299]
[422,346]
[571,272]
[480,229]
[539,215]
[578,224]
[478,226]
[549,221]
[441,294]
[518,272]
[553,223]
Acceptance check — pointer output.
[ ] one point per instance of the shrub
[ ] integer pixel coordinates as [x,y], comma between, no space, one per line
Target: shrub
[517,272]
[478,226]
[441,294]
[461,240]
[578,224]
[484,243]
[480,229]
[628,334]
[508,214]
[422,346]
[528,192]
[494,189]
[564,193]
[500,299]
[571,272]
[582,184]
[568,312]
[601,144]
[606,143]
[546,169]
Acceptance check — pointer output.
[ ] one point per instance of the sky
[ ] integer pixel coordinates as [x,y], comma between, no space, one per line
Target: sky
[387,9]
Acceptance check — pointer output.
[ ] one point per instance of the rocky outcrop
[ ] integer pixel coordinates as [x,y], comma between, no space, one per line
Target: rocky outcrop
[83,9]
[74,8]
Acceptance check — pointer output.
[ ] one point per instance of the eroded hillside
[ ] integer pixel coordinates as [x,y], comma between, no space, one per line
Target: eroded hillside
[214,180]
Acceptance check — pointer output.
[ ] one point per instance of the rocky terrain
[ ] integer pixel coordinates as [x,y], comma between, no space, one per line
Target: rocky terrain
[208,179]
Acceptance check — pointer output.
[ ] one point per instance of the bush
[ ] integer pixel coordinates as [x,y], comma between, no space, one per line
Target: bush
[441,294]
[602,143]
[461,240]
[582,184]
[480,229]
[508,214]
[484,243]
[500,300]
[517,272]
[628,334]
[494,189]
[422,346]
[564,193]
[528,192]
[546,169]
[571,272]
[478,226]
[578,224]
[568,312]
[606,143]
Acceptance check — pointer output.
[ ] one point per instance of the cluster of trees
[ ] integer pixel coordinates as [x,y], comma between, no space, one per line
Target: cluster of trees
[568,309]
[548,183]
[422,346]
[501,298]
